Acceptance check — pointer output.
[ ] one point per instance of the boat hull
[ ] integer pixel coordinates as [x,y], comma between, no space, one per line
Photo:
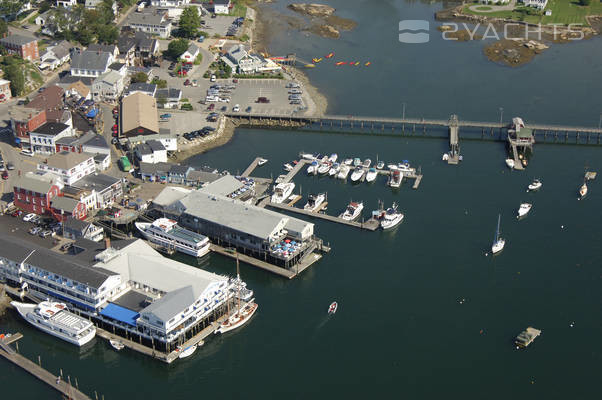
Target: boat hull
[236,321]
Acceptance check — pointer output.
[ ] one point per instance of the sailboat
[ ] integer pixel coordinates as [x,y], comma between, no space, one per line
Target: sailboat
[582,191]
[498,242]
[332,308]
[242,315]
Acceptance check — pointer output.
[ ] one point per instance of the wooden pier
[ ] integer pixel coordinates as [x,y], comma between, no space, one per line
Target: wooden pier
[251,167]
[60,385]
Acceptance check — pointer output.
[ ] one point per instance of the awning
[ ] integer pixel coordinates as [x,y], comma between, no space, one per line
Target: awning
[120,314]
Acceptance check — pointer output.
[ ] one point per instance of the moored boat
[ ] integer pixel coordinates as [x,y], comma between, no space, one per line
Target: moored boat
[116,344]
[498,242]
[262,161]
[238,319]
[187,352]
[343,171]
[510,163]
[168,234]
[281,192]
[333,158]
[583,191]
[348,161]
[371,175]
[288,167]
[395,178]
[534,186]
[357,174]
[314,201]
[334,169]
[332,308]
[380,165]
[524,209]
[353,211]
[323,168]
[313,168]
[367,162]
[391,218]
[357,162]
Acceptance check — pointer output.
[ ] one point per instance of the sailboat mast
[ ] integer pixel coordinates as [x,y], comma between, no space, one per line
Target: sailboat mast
[238,287]
[497,231]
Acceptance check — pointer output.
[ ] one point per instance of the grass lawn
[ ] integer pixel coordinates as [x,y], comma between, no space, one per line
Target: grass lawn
[239,9]
[483,8]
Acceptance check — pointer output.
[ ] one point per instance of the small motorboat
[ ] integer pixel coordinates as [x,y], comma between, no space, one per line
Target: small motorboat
[367,162]
[380,165]
[316,60]
[368,64]
[262,161]
[334,169]
[524,209]
[332,308]
[534,186]
[330,55]
[341,63]
[583,191]
[357,174]
[371,175]
[313,168]
[510,163]
[314,201]
[187,352]
[288,167]
[357,63]
[445,156]
[116,344]
[395,178]
[343,171]
[307,156]
[353,211]
[391,217]
[333,157]
[310,65]
[348,161]
[357,161]
[323,168]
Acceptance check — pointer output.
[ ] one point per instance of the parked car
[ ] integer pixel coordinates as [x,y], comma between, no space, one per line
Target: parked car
[35,230]
[46,233]
[2,167]
[10,166]
[165,116]
[28,217]
[213,78]
[262,100]
[5,175]
[201,39]
[65,247]
[236,108]
[17,213]
[224,108]
[211,107]
[248,109]
[187,82]
[27,152]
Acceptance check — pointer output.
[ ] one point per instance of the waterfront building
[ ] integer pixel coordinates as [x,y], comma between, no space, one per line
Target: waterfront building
[139,115]
[539,4]
[69,167]
[43,138]
[33,193]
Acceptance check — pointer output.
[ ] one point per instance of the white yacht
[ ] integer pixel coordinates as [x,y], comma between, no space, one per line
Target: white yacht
[371,175]
[380,165]
[357,174]
[510,163]
[288,167]
[524,209]
[334,169]
[333,158]
[391,218]
[353,211]
[313,168]
[498,242]
[55,319]
[281,192]
[357,161]
[343,171]
[262,161]
[239,318]
[307,156]
[534,186]
[583,191]
[187,352]
[314,201]
[168,234]
[367,162]
[395,178]
[323,168]
[404,166]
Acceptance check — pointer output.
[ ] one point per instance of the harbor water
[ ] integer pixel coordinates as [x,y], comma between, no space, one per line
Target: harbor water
[424,310]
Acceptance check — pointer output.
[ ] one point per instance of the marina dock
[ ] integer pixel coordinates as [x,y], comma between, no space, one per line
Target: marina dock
[62,386]
[251,167]
[526,337]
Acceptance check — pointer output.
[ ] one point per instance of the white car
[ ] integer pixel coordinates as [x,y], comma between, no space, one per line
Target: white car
[224,99]
[213,78]
[29,217]
[236,108]
[27,152]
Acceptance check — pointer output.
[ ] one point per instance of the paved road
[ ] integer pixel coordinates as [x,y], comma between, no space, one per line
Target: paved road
[22,164]
[494,8]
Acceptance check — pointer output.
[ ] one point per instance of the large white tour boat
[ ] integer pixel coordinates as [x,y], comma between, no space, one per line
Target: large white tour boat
[166,233]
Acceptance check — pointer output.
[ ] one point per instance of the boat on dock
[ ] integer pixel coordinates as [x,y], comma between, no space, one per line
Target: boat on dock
[343,171]
[307,156]
[282,191]
[524,209]
[334,169]
[391,217]
[534,186]
[288,167]
[498,242]
[313,168]
[405,167]
[332,308]
[333,158]
[357,162]
[582,191]
[367,162]
[380,165]
[116,344]
[323,168]
[371,175]
[55,319]
[168,234]
[188,351]
[262,161]
[526,337]
[357,174]
[510,163]
[395,178]
[353,211]
[348,161]
[314,201]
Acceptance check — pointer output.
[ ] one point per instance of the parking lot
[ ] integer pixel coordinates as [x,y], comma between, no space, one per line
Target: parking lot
[15,226]
[218,25]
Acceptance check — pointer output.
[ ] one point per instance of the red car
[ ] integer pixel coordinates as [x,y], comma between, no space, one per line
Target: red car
[116,110]
[235,80]
[211,107]
[17,213]
[187,82]
[115,127]
[5,175]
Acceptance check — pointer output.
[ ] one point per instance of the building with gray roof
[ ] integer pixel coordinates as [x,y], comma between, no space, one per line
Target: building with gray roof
[90,63]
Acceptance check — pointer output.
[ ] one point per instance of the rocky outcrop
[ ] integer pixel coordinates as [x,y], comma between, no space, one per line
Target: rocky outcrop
[312,10]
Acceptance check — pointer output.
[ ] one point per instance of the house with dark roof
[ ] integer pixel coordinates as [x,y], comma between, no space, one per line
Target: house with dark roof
[69,167]
[151,152]
[55,55]
[90,63]
[76,229]
[154,22]
[43,139]
[199,178]
[168,98]
[108,86]
[33,193]
[158,172]
[25,47]
[120,68]
[178,173]
[62,208]
[142,87]
[105,189]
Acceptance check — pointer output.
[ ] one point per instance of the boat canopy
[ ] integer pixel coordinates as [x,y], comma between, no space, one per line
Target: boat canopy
[120,314]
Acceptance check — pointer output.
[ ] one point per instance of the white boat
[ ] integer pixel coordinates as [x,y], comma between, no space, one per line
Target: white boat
[371,175]
[314,201]
[116,344]
[332,308]
[353,211]
[281,192]
[391,218]
[380,165]
[357,161]
[510,163]
[334,169]
[524,209]
[333,158]
[239,318]
[367,162]
[404,166]
[343,171]
[392,167]
[395,178]
[445,156]
[241,291]
[262,161]
[323,168]
[54,318]
[498,242]
[168,234]
[288,167]
[348,161]
[583,191]
[313,168]
[357,174]
[187,352]
[535,185]
[307,156]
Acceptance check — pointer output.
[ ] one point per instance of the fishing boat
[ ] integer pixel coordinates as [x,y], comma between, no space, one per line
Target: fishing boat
[281,192]
[395,178]
[187,352]
[445,157]
[498,242]
[313,168]
[353,211]
[380,165]
[314,201]
[583,191]
[323,168]
[330,55]
[348,161]
[357,174]
[357,162]
[55,319]
[391,218]
[168,234]
[332,308]
[404,166]
[288,167]
[524,209]
[343,171]
[371,175]
[534,186]
[333,157]
[116,344]
[367,162]
[334,169]
[510,163]
[262,161]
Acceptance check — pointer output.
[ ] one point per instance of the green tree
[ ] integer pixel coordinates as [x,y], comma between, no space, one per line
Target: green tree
[106,9]
[177,47]
[85,36]
[10,7]
[139,77]
[190,21]
[14,74]
[3,27]
[585,2]
[108,34]
[45,6]
[161,83]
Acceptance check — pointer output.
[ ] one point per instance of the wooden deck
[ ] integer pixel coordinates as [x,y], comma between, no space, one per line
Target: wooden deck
[370,224]
[254,262]
[251,167]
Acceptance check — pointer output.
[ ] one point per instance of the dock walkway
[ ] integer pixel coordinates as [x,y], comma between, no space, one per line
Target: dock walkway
[253,261]
[370,224]
[251,167]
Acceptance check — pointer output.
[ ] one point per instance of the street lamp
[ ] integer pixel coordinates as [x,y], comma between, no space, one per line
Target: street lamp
[501,114]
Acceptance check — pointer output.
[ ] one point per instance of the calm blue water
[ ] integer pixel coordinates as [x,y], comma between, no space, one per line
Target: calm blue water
[402,328]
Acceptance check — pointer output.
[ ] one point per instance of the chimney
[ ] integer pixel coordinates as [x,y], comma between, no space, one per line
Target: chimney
[107,243]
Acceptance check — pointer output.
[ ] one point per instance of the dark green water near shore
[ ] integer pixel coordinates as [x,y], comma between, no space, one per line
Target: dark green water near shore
[402,328]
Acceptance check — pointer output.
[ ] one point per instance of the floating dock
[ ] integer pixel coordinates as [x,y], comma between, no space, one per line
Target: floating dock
[251,167]
[526,337]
